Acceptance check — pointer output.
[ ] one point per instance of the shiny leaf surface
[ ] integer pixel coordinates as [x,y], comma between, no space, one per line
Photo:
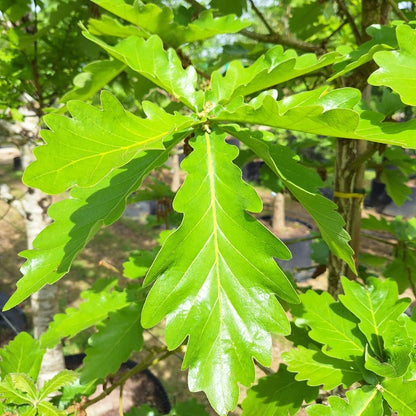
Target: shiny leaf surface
[397,67]
[216,276]
[84,149]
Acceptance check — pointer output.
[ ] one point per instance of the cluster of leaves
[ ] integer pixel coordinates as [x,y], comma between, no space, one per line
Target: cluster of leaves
[215,277]
[19,370]
[363,338]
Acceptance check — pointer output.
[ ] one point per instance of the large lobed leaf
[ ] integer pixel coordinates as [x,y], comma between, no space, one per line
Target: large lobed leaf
[160,21]
[216,276]
[163,68]
[84,149]
[272,68]
[77,220]
[397,67]
[320,112]
[304,184]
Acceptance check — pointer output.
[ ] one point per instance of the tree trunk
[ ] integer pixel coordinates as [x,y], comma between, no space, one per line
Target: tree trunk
[351,158]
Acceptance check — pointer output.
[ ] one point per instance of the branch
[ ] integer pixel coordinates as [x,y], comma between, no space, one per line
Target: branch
[398,12]
[261,17]
[151,359]
[276,38]
[351,21]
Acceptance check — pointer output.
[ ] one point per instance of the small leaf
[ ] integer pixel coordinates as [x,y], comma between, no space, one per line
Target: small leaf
[395,66]
[277,394]
[365,401]
[84,149]
[63,378]
[374,307]
[96,75]
[217,276]
[112,345]
[396,185]
[400,395]
[22,355]
[25,384]
[48,409]
[139,262]
[397,349]
[319,369]
[164,68]
[11,394]
[332,325]
[94,309]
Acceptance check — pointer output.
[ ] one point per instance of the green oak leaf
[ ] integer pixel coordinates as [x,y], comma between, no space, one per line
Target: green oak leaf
[78,219]
[24,383]
[11,394]
[112,345]
[365,401]
[96,75]
[397,67]
[400,395]
[278,394]
[374,307]
[160,21]
[84,149]
[48,409]
[318,369]
[304,184]
[109,26]
[332,324]
[139,262]
[216,276]
[163,68]
[62,379]
[93,310]
[397,349]
[22,355]
[274,67]
[396,185]
[319,112]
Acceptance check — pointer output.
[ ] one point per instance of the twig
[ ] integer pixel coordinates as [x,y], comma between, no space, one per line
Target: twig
[350,20]
[146,363]
[396,9]
[276,38]
[261,17]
